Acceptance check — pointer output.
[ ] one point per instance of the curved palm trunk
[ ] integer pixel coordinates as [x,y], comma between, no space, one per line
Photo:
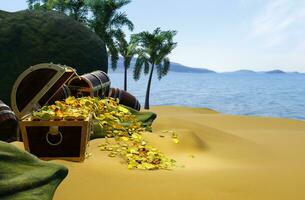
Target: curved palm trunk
[146,106]
[125,78]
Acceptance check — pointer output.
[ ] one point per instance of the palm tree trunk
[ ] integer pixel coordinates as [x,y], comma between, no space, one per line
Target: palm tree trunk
[125,77]
[146,106]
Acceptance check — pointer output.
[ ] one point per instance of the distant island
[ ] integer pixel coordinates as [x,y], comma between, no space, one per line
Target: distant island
[242,71]
[275,72]
[177,67]
[245,71]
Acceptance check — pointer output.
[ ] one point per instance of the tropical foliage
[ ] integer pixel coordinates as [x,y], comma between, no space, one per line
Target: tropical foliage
[127,50]
[105,18]
[107,21]
[38,4]
[76,9]
[153,50]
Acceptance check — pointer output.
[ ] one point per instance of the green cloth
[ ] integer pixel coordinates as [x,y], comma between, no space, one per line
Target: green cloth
[25,177]
[145,117]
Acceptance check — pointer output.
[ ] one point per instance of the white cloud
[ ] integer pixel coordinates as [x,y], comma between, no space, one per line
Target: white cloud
[277,21]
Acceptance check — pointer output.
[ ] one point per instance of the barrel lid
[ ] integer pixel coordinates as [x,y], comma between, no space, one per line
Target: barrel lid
[37,85]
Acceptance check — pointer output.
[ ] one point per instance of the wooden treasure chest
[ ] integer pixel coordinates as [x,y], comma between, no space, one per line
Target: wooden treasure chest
[48,139]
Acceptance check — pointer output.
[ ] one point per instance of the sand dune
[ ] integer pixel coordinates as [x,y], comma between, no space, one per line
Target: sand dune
[219,156]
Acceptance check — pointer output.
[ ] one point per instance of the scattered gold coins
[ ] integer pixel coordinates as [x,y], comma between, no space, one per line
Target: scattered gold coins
[175,138]
[116,122]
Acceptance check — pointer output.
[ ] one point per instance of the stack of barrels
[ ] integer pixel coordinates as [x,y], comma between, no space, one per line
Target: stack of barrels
[8,124]
[95,84]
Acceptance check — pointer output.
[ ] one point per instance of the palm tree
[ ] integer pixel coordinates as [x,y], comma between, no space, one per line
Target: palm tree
[107,21]
[153,51]
[77,9]
[127,51]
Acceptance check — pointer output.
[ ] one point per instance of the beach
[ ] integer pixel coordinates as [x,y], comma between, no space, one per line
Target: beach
[218,157]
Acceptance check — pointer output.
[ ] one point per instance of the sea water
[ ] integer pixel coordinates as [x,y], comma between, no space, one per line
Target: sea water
[258,94]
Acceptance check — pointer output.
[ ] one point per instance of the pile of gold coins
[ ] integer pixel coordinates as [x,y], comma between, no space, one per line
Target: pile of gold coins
[117,122]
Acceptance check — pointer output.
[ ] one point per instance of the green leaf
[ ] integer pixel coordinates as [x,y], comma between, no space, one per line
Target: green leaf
[146,67]
[138,68]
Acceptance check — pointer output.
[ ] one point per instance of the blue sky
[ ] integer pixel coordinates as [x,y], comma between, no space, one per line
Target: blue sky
[224,35]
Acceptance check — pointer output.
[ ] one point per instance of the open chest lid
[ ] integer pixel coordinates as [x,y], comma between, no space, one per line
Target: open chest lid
[37,85]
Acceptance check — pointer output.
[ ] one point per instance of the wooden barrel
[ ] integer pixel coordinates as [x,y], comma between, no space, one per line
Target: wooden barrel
[63,93]
[8,124]
[125,98]
[95,84]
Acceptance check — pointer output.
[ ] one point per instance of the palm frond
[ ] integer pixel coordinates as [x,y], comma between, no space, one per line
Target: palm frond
[120,42]
[138,68]
[121,3]
[120,19]
[131,48]
[164,51]
[127,61]
[146,67]
[113,54]
[159,71]
[166,66]
[77,9]
[38,4]
[102,13]
[163,68]
[31,3]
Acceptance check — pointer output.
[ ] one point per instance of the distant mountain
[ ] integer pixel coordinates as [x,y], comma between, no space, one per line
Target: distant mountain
[243,71]
[275,72]
[174,67]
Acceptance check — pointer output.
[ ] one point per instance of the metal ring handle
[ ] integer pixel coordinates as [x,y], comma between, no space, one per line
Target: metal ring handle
[54,144]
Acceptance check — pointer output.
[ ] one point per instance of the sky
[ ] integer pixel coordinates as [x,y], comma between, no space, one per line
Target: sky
[223,35]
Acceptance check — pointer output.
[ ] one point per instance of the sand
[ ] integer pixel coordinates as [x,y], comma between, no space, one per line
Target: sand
[219,156]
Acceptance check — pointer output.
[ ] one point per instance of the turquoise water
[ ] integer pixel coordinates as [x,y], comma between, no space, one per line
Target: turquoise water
[276,95]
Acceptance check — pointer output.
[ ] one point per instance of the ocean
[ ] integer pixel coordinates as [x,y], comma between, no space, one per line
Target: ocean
[257,94]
